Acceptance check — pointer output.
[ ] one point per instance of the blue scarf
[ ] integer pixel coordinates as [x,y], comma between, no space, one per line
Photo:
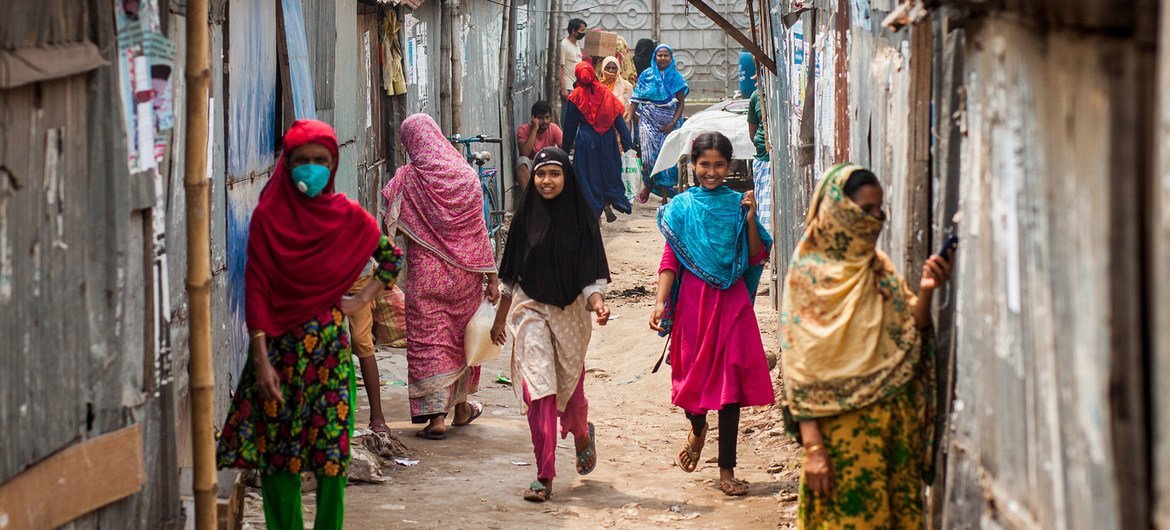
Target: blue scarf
[660,86]
[708,231]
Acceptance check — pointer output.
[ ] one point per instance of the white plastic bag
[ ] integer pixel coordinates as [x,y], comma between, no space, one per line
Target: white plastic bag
[631,173]
[477,338]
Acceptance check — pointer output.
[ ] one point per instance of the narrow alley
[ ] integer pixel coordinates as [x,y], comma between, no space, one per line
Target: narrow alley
[911,258]
[475,476]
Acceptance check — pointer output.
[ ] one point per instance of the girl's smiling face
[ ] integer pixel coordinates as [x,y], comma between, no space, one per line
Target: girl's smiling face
[550,181]
[711,169]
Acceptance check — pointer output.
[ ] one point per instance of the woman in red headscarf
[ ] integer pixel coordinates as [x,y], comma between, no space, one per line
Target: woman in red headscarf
[293,409]
[593,125]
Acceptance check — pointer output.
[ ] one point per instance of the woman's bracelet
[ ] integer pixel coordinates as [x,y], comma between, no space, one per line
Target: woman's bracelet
[257,335]
[814,448]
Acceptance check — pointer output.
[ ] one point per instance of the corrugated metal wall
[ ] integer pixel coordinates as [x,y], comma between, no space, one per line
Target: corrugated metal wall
[480,26]
[76,267]
[1040,141]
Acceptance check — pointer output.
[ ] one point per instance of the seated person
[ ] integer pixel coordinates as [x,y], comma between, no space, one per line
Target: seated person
[533,136]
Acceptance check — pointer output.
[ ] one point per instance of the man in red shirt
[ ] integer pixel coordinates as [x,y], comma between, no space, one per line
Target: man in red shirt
[547,134]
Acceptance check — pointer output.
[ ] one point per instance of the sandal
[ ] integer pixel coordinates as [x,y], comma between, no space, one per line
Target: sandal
[430,435]
[691,453]
[379,427]
[537,492]
[476,411]
[733,487]
[589,452]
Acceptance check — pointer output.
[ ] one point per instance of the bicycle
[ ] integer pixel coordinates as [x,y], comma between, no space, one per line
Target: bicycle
[494,214]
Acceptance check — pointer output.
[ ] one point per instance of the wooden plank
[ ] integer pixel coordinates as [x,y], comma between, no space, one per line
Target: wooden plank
[918,189]
[735,33]
[76,481]
[1130,133]
[1158,237]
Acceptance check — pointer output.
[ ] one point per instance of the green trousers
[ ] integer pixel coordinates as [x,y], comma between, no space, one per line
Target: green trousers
[282,491]
[282,502]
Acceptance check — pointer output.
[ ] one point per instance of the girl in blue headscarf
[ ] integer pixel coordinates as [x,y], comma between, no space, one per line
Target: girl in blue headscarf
[659,100]
[711,267]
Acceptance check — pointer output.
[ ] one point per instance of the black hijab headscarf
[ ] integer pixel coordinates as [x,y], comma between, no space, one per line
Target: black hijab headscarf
[644,54]
[554,246]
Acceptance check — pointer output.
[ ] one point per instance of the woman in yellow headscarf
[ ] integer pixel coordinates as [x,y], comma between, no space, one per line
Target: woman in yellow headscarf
[857,380]
[624,90]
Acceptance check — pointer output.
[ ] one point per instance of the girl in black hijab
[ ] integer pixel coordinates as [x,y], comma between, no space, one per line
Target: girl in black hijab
[554,273]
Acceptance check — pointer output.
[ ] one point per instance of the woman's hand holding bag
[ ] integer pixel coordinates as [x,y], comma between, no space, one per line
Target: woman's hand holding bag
[478,342]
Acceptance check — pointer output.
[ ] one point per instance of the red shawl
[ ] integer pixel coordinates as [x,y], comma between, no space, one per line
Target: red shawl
[304,253]
[597,104]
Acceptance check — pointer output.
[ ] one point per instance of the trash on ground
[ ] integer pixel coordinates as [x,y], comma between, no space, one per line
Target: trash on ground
[364,466]
[633,380]
[405,461]
[519,463]
[503,380]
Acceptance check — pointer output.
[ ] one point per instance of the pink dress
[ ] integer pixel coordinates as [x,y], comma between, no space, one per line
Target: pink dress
[437,202]
[440,300]
[716,353]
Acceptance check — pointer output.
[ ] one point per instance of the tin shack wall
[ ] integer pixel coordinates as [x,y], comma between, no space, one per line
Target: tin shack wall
[77,267]
[1040,143]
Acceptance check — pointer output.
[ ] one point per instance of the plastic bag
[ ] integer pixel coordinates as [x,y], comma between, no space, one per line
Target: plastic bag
[477,338]
[631,173]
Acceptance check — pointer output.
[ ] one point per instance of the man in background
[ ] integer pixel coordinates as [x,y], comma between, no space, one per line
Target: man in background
[533,136]
[571,55]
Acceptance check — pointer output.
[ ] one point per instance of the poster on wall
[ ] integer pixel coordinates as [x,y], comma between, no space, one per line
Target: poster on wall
[416,51]
[146,69]
[146,64]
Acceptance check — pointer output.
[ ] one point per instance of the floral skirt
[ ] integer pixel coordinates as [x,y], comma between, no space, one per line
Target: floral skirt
[878,458]
[311,431]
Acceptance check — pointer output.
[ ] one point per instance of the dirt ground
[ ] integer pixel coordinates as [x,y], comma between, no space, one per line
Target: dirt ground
[474,478]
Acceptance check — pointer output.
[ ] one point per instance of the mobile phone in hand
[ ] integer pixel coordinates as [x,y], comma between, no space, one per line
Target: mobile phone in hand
[949,245]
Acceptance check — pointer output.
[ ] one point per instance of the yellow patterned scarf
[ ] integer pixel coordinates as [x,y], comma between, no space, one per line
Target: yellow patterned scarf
[848,335]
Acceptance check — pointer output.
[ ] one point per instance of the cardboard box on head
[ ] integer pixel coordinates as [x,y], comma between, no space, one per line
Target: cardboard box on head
[600,44]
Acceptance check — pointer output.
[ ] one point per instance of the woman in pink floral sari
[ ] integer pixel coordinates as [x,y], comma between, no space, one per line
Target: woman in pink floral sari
[437,203]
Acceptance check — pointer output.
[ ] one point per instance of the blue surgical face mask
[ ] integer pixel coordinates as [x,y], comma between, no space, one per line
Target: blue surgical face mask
[310,178]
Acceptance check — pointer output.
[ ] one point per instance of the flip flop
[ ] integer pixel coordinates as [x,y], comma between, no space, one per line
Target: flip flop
[691,453]
[537,492]
[476,411]
[380,427]
[423,433]
[734,487]
[589,452]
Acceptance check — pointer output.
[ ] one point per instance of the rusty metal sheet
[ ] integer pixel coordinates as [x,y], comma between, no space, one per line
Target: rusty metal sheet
[39,22]
[1034,347]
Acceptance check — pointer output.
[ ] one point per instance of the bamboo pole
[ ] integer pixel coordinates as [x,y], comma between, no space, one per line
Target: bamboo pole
[509,133]
[553,77]
[198,195]
[445,22]
[456,68]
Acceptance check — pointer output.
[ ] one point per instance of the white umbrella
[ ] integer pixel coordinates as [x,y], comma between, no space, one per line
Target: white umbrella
[678,143]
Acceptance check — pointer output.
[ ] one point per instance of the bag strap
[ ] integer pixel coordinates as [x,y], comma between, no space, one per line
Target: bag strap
[662,357]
